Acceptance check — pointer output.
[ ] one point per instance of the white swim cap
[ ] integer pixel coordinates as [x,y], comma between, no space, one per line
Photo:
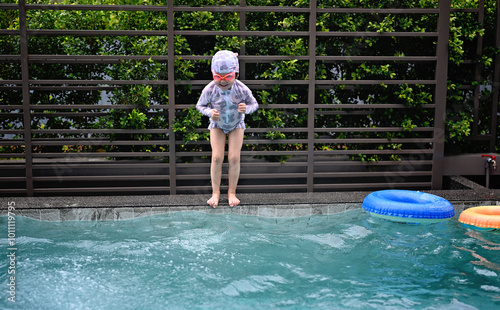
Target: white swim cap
[225,62]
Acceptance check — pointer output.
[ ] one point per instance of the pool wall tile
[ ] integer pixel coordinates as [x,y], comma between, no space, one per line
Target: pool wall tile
[51,215]
[105,208]
[284,211]
[83,214]
[458,206]
[34,214]
[338,208]
[69,214]
[146,211]
[154,211]
[302,210]
[249,210]
[351,206]
[319,210]
[267,211]
[217,210]
[236,211]
[124,213]
[222,209]
[104,214]
[272,211]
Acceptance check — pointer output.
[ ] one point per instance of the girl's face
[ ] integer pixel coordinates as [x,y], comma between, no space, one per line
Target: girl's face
[224,80]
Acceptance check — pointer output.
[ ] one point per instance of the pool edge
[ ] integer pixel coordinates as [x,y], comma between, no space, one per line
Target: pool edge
[73,208]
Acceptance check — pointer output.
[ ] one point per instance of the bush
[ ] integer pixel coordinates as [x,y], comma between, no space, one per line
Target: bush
[464,33]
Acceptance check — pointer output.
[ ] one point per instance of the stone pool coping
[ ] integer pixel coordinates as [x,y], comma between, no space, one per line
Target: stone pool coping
[266,205]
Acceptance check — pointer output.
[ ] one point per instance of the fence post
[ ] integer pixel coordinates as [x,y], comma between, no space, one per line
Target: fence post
[28,149]
[171,97]
[440,96]
[496,84]
[478,68]
[311,96]
[242,51]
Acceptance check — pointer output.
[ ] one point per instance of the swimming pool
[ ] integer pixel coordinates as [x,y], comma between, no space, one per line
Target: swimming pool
[194,260]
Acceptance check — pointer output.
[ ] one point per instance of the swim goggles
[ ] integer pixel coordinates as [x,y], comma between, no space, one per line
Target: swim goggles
[228,77]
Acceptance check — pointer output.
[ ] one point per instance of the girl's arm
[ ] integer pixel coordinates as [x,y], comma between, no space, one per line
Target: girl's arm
[252,104]
[203,104]
[250,101]
[204,109]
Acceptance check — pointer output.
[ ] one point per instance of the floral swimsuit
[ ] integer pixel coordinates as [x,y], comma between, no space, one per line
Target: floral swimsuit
[226,103]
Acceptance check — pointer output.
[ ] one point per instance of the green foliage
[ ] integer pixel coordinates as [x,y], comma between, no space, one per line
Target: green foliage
[142,101]
[187,123]
[460,128]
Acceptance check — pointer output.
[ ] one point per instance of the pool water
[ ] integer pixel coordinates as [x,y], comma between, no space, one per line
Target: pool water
[194,260]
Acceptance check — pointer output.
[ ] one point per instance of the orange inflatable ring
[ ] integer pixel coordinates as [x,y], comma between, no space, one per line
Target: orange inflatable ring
[481,218]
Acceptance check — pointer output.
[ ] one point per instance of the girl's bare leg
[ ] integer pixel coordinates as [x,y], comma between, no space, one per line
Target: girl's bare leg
[217,142]
[235,141]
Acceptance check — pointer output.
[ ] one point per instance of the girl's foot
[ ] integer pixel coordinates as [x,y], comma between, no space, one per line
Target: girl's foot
[214,201]
[233,200]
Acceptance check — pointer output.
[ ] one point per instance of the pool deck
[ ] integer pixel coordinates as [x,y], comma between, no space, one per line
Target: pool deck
[63,208]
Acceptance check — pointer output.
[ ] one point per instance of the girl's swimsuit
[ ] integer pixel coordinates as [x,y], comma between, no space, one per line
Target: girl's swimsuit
[226,103]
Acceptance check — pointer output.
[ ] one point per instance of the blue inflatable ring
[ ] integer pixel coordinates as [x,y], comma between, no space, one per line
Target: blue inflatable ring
[408,206]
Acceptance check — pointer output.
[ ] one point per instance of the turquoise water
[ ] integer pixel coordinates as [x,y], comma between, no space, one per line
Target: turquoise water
[192,260]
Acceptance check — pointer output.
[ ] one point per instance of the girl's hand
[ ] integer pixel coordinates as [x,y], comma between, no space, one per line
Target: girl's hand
[215,115]
[242,108]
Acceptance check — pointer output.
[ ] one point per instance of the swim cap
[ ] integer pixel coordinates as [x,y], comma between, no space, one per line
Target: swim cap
[225,62]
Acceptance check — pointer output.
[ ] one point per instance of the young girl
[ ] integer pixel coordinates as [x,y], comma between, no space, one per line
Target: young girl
[226,101]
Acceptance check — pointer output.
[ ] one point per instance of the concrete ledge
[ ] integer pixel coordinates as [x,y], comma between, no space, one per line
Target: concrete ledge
[266,205]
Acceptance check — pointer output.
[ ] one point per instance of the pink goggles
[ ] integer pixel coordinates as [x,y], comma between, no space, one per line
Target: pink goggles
[228,77]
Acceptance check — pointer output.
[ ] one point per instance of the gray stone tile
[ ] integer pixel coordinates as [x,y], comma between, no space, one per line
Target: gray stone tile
[337,208]
[284,211]
[218,210]
[319,210]
[78,214]
[302,210]
[267,211]
[31,213]
[70,214]
[146,211]
[234,210]
[51,215]
[249,210]
[105,214]
[124,213]
[86,214]
[352,206]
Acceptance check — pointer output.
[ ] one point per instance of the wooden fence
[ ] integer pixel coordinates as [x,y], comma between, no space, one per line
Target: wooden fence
[32,172]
